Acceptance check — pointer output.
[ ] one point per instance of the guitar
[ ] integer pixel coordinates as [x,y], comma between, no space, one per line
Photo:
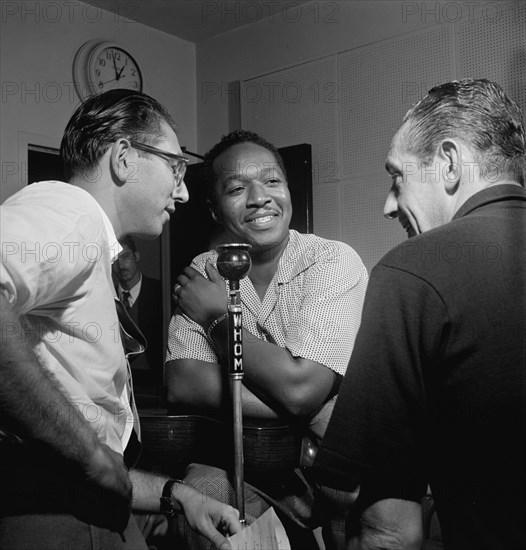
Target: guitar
[171,442]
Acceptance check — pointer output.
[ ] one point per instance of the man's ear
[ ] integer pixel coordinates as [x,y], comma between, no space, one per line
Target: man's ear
[213,210]
[451,157]
[123,160]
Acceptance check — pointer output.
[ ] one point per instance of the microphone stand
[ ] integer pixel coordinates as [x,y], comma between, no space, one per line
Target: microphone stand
[233,263]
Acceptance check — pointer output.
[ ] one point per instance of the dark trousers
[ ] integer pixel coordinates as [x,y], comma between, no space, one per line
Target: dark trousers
[65,532]
[46,505]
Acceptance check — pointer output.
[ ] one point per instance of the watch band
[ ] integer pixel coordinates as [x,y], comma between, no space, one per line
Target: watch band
[166,505]
[214,324]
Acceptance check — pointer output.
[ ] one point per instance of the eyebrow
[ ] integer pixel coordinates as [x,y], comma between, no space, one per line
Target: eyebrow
[241,175]
[232,177]
[391,168]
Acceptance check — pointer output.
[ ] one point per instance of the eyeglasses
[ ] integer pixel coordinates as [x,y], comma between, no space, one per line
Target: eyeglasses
[177,162]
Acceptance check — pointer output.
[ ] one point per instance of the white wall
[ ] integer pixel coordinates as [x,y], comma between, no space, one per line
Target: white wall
[341,75]
[38,44]
[303,33]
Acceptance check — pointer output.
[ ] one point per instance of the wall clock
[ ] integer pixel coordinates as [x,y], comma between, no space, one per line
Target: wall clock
[101,65]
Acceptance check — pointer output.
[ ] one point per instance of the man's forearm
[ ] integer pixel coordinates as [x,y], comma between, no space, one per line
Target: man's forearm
[208,393]
[285,383]
[32,403]
[148,488]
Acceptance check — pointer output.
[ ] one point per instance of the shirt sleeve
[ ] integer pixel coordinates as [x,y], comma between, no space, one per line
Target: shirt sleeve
[378,429]
[187,339]
[333,294]
[43,263]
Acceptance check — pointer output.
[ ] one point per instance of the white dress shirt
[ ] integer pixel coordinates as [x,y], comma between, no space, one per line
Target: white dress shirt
[55,270]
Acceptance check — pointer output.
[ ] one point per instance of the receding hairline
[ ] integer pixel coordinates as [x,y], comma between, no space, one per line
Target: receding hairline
[244,144]
[229,150]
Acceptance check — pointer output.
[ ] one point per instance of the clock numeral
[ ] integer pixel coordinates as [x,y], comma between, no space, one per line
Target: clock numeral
[102,62]
[113,54]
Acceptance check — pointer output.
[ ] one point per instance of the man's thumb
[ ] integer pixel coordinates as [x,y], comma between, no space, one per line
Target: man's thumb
[212,272]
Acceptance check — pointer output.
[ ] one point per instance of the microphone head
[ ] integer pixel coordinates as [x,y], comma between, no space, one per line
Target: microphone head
[233,260]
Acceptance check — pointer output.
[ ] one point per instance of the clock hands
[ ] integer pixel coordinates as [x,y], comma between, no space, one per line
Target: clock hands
[115,67]
[118,76]
[118,72]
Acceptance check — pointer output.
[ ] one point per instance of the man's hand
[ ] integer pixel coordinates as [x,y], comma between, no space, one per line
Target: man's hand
[203,300]
[111,486]
[389,524]
[208,517]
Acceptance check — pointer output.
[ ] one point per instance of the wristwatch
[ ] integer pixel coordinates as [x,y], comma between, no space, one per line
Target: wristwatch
[167,508]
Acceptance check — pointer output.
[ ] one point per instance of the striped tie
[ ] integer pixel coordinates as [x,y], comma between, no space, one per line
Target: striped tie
[134,343]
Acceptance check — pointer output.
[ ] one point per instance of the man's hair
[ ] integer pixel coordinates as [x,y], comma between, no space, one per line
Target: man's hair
[227,141]
[102,119]
[479,113]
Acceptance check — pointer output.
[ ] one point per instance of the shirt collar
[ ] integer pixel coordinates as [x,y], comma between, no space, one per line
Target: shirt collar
[295,258]
[491,194]
[134,290]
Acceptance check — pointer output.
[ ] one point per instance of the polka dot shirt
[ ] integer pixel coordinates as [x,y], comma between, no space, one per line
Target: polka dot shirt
[312,306]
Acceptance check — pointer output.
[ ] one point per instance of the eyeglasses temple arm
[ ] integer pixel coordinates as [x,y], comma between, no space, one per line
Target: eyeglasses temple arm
[187,152]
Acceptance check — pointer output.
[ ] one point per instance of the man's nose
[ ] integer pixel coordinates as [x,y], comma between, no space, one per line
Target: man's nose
[391,206]
[180,193]
[257,194]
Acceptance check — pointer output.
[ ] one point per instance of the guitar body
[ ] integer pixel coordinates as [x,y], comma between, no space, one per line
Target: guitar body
[171,442]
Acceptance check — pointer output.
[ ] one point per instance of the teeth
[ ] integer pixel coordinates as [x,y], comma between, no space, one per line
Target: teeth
[262,220]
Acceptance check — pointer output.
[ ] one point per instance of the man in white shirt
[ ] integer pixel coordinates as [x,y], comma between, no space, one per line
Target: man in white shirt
[65,392]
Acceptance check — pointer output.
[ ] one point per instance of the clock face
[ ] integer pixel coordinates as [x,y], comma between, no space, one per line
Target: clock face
[112,67]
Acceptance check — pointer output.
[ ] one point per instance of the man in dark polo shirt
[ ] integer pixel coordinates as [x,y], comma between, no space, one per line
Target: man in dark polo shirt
[435,391]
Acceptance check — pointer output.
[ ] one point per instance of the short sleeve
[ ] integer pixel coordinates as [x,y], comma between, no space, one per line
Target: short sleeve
[187,339]
[41,263]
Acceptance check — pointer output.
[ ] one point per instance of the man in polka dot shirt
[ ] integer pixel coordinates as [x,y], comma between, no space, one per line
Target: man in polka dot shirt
[301,304]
